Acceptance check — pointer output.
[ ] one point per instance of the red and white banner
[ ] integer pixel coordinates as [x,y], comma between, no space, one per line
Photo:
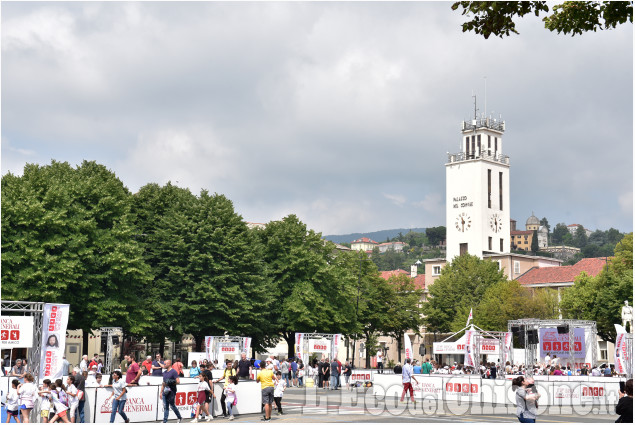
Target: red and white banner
[299,345]
[209,342]
[554,343]
[54,323]
[16,332]
[336,345]
[141,404]
[407,346]
[228,349]
[621,354]
[320,346]
[488,346]
[470,344]
[507,347]
[246,345]
[469,319]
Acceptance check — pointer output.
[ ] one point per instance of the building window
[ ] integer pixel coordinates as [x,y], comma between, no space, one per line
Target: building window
[436,270]
[489,188]
[467,145]
[489,243]
[478,142]
[499,264]
[500,191]
[489,142]
[516,267]
[495,144]
[473,148]
[462,249]
[604,352]
[501,248]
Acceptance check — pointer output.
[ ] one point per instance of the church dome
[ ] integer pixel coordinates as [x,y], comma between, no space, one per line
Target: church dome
[533,221]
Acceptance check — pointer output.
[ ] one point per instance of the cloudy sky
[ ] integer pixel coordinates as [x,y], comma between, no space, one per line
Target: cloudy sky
[341,113]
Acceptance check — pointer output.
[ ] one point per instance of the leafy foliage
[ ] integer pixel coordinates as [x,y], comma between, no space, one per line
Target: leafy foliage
[570,17]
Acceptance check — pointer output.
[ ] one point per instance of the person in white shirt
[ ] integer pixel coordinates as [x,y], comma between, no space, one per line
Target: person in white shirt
[278,391]
[73,399]
[380,361]
[45,401]
[13,402]
[555,361]
[119,393]
[27,392]
[60,408]
[230,395]
[547,360]
[204,393]
[83,365]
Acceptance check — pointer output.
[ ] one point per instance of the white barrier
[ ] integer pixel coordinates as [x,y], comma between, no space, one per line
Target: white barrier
[561,392]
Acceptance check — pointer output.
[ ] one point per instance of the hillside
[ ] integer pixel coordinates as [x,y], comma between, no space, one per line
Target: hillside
[379,236]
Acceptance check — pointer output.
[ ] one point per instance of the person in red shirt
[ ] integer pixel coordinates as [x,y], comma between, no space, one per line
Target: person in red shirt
[133,373]
[148,364]
[339,373]
[92,363]
[178,366]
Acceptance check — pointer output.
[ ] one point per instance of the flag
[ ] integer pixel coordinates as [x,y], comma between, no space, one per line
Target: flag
[622,354]
[55,320]
[469,318]
[407,346]
[209,342]
[470,345]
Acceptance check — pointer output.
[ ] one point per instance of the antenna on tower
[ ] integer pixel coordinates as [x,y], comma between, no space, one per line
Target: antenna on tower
[485,96]
[474,96]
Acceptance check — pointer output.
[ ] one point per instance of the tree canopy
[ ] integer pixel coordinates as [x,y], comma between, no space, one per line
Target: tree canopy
[569,17]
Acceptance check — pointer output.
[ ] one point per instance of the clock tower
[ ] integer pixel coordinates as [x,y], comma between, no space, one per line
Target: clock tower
[477,191]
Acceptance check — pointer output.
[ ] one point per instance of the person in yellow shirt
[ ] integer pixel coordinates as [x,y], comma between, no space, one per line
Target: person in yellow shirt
[265,377]
[229,371]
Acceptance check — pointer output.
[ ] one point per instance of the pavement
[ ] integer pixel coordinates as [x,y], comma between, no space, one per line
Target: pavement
[312,405]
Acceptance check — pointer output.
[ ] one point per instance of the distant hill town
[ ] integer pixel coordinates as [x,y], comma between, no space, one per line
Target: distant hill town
[379,236]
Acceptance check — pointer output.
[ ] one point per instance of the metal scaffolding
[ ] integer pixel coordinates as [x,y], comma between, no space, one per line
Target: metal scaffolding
[36,310]
[109,346]
[590,331]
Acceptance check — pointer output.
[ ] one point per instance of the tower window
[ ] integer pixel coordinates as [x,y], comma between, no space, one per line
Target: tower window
[495,144]
[516,267]
[489,142]
[473,150]
[463,248]
[467,145]
[489,243]
[489,189]
[500,190]
[502,250]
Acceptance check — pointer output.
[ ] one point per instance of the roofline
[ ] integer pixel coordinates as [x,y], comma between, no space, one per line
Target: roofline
[533,257]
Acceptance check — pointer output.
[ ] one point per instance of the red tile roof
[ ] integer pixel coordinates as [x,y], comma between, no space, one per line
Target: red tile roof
[364,239]
[522,232]
[419,281]
[536,275]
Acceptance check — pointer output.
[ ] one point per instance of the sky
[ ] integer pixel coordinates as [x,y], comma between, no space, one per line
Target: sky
[340,113]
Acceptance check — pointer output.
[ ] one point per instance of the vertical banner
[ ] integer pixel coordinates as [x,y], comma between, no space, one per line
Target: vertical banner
[299,344]
[470,338]
[54,322]
[209,341]
[507,347]
[620,354]
[407,345]
[336,345]
[246,345]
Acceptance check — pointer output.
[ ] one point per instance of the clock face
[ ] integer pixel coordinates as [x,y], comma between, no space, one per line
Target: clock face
[463,222]
[496,223]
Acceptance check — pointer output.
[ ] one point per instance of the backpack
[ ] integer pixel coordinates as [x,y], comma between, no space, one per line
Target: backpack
[63,397]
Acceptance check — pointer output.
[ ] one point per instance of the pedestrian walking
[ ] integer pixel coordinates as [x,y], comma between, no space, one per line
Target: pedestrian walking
[526,399]
[119,391]
[265,377]
[279,391]
[335,374]
[406,379]
[168,391]
[230,395]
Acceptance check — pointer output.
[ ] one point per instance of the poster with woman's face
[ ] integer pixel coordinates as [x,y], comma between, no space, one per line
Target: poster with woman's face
[52,341]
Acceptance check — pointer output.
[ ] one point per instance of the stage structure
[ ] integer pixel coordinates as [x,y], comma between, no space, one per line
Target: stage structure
[485,343]
[307,343]
[219,347]
[535,331]
[35,310]
[109,332]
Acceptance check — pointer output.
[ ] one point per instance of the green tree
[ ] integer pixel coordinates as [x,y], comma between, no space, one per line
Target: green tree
[559,232]
[580,238]
[570,17]
[545,222]
[534,242]
[435,235]
[460,287]
[404,309]
[508,300]
[68,237]
[600,298]
[312,291]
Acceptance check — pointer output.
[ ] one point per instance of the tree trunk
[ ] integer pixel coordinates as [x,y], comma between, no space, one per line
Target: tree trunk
[162,346]
[399,349]
[290,338]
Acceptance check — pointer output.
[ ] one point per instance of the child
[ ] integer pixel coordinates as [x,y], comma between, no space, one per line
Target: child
[13,402]
[278,391]
[45,404]
[204,397]
[27,392]
[73,400]
[58,397]
[230,395]
[98,378]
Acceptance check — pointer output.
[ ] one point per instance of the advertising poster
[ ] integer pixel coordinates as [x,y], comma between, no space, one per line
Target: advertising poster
[55,320]
[407,346]
[209,342]
[16,332]
[140,407]
[554,343]
[320,346]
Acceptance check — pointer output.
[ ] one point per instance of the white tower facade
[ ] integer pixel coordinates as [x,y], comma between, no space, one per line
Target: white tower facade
[477,191]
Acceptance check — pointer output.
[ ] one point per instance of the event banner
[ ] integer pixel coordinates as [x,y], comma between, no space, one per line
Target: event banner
[507,347]
[407,345]
[621,354]
[246,345]
[209,342]
[299,345]
[228,349]
[554,343]
[16,332]
[470,343]
[319,346]
[54,322]
[336,345]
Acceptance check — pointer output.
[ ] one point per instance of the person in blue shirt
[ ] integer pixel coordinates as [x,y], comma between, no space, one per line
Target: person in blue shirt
[257,364]
[294,372]
[417,367]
